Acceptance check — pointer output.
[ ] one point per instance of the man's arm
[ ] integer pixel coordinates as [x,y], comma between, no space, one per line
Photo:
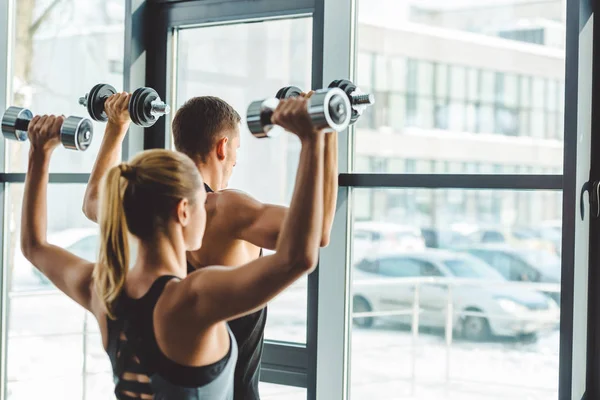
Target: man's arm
[109,154]
[258,223]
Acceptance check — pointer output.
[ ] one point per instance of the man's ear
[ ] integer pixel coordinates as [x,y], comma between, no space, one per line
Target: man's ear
[222,148]
[183,212]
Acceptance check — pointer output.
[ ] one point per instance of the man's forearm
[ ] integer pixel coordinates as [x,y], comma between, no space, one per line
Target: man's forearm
[109,155]
[330,185]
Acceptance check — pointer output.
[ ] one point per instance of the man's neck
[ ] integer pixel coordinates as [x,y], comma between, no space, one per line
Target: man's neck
[210,175]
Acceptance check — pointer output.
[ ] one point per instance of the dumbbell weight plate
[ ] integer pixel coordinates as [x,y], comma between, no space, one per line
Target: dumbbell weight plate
[14,123]
[348,87]
[96,99]
[76,133]
[140,107]
[288,91]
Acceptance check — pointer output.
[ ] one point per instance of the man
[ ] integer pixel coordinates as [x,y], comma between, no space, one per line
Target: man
[207,129]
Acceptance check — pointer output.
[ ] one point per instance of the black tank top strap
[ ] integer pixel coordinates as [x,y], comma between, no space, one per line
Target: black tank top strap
[208,189]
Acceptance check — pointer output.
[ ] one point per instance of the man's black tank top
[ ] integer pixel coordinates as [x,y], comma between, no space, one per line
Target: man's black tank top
[249,333]
[134,354]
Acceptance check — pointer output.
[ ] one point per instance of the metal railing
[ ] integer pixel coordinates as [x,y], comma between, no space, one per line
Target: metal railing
[451,284]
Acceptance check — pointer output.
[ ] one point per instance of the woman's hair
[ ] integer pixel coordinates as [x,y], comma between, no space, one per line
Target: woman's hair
[138,197]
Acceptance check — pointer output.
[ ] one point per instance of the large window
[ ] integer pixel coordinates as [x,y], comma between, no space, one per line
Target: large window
[270,55]
[456,292]
[60,50]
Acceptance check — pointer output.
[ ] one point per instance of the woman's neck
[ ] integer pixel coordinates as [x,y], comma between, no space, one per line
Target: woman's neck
[161,255]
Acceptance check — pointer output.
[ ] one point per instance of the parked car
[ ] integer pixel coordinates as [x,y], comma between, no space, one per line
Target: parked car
[81,241]
[548,233]
[481,310]
[515,264]
[443,239]
[371,238]
[515,238]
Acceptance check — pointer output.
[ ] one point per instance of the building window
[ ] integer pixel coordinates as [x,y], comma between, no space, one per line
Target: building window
[536,36]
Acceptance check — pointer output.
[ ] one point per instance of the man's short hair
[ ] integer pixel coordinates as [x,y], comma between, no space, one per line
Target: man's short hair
[198,124]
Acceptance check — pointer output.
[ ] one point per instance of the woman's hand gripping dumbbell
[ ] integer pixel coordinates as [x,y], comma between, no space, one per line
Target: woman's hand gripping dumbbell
[328,109]
[75,133]
[145,105]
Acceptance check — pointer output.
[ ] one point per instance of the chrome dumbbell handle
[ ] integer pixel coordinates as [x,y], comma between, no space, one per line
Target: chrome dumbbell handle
[362,99]
[158,108]
[84,100]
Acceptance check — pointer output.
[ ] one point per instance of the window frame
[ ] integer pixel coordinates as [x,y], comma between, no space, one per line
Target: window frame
[150,40]
[283,363]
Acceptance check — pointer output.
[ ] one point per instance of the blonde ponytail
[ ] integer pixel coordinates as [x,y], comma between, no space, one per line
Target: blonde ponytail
[111,270]
[138,198]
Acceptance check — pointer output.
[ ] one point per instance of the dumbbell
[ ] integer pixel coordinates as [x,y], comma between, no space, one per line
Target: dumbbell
[359,101]
[145,105]
[75,133]
[288,91]
[328,109]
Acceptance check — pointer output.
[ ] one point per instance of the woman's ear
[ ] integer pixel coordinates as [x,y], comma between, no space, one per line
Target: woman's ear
[183,211]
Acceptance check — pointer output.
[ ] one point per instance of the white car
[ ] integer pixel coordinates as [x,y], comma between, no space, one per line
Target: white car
[80,241]
[372,238]
[481,310]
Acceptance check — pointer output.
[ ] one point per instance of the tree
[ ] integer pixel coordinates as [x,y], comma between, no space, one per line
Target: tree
[26,27]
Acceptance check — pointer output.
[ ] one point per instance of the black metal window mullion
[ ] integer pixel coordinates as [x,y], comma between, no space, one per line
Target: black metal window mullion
[452,181]
[19,177]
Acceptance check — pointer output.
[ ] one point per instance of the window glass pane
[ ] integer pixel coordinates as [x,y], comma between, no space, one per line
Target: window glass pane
[364,70]
[457,116]
[526,91]
[397,165]
[472,115]
[412,76]
[398,73]
[254,173]
[381,73]
[52,67]
[507,121]
[488,90]
[511,94]
[506,276]
[486,119]
[537,124]
[441,80]
[525,123]
[552,96]
[425,78]
[499,88]
[450,100]
[539,93]
[419,112]
[46,329]
[399,268]
[552,125]
[473,84]
[458,82]
[397,111]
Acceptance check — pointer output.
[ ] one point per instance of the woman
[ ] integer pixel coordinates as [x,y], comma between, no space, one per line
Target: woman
[165,332]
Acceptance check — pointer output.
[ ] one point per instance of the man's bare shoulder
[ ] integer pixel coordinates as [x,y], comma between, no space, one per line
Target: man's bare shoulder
[233,199]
